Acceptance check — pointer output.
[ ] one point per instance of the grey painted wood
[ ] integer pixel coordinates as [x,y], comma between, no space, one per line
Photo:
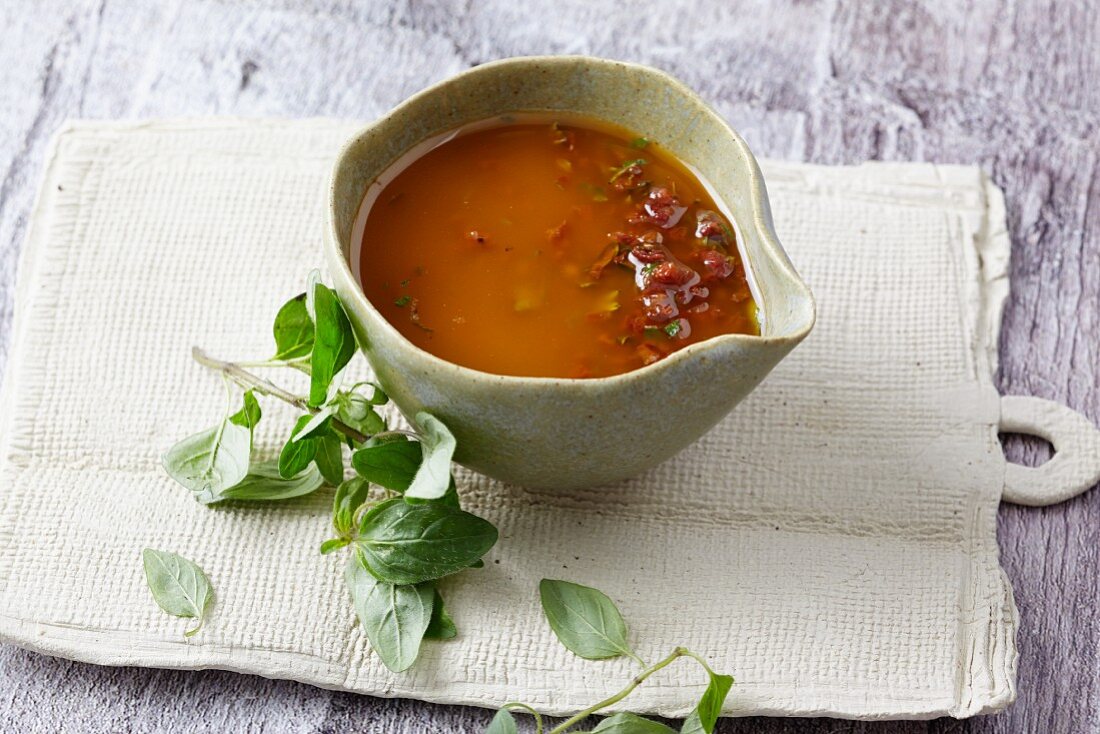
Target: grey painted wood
[1009,85]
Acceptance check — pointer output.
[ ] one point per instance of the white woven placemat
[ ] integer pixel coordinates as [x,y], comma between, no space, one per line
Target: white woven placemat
[831,544]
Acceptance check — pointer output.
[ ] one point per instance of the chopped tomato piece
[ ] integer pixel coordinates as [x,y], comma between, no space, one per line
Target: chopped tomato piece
[662,208]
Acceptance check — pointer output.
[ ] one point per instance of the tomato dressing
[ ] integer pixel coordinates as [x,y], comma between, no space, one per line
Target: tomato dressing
[557,249]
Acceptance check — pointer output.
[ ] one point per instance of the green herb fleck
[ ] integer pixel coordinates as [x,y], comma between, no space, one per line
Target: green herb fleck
[596,192]
[621,170]
[402,301]
[672,328]
[639,143]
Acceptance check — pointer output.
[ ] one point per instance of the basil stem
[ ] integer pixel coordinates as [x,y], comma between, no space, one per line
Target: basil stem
[250,381]
[611,700]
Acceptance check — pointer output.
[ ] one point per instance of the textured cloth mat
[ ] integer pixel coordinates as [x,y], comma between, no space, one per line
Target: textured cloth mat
[831,544]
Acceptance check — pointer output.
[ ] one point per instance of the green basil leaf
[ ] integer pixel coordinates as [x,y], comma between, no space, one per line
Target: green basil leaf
[293,329]
[584,619]
[297,455]
[334,344]
[212,461]
[179,587]
[407,544]
[358,412]
[630,724]
[264,482]
[441,626]
[450,499]
[350,496]
[391,464]
[705,715]
[378,395]
[369,424]
[317,424]
[393,617]
[352,406]
[312,281]
[249,415]
[503,723]
[330,458]
[333,544]
[438,446]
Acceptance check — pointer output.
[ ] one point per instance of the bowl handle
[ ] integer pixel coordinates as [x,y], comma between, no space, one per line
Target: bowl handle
[1075,466]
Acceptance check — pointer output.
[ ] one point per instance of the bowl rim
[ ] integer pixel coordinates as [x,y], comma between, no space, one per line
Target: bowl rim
[760,219]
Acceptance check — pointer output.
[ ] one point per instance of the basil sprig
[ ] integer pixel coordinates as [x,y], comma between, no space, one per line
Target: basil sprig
[589,624]
[399,516]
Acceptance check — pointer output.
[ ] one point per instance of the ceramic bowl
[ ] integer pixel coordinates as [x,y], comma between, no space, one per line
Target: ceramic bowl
[569,433]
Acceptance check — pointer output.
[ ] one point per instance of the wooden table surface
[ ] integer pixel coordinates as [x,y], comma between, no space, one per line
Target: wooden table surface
[1012,86]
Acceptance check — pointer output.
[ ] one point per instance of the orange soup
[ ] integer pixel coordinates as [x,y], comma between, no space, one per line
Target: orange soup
[552,249]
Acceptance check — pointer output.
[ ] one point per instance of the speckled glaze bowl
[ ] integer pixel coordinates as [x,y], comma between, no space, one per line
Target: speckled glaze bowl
[569,433]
